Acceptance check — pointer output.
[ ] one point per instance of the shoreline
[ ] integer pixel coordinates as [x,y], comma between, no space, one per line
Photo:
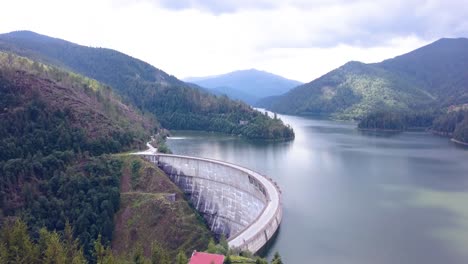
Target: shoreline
[235,135]
[380,130]
[440,133]
[459,142]
[409,129]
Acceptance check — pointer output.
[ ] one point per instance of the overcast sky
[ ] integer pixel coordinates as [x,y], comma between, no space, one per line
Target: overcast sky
[298,39]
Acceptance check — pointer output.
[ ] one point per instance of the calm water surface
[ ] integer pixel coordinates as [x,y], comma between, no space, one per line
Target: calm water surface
[353,197]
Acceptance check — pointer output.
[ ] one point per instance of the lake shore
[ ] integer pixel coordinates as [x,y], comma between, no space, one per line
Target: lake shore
[380,130]
[459,142]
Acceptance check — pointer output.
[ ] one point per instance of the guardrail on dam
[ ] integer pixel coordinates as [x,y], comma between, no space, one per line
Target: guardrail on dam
[235,201]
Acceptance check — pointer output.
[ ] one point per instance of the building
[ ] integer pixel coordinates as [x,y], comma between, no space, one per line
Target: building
[206,258]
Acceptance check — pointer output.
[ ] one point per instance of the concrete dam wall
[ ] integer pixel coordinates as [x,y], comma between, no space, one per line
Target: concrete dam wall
[235,201]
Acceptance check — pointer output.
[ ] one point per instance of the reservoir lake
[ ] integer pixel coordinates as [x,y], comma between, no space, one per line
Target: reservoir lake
[354,197]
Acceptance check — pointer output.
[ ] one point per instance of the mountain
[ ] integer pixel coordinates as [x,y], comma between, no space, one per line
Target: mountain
[35,92]
[234,94]
[175,104]
[246,85]
[430,78]
[55,127]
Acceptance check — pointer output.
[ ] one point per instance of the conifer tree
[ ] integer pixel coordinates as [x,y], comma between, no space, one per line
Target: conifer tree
[181,258]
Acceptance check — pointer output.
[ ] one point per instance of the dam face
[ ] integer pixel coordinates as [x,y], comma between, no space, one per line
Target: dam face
[235,201]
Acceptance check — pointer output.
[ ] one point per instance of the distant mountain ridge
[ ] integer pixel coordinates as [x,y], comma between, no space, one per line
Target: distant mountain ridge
[246,85]
[175,104]
[431,77]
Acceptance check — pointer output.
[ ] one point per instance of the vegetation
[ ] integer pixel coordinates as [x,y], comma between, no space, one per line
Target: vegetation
[17,246]
[351,92]
[232,255]
[454,124]
[181,258]
[431,78]
[174,103]
[159,255]
[159,141]
[55,127]
[56,132]
[397,121]
[153,209]
[461,132]
[277,259]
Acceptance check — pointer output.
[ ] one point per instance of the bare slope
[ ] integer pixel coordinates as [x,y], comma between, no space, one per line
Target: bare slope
[153,210]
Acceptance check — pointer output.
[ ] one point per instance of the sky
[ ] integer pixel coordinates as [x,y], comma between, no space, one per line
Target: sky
[297,39]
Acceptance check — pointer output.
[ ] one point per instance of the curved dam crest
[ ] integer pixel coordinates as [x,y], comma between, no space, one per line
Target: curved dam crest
[235,201]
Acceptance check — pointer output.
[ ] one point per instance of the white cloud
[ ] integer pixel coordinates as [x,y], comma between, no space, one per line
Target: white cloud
[295,38]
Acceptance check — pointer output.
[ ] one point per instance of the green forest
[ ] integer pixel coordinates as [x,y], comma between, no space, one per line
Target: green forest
[429,79]
[51,150]
[397,121]
[175,104]
[52,247]
[60,185]
[454,124]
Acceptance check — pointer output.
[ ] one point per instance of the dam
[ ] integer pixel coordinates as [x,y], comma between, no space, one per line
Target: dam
[235,201]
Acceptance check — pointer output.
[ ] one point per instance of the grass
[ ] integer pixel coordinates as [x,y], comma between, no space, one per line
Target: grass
[146,215]
[241,260]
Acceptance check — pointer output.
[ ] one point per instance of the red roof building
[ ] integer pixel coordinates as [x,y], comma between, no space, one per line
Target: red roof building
[206,258]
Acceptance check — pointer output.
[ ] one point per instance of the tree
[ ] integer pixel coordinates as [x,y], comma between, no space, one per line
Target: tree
[99,251]
[103,254]
[138,257]
[54,251]
[211,247]
[223,242]
[228,260]
[181,258]
[159,255]
[17,246]
[74,253]
[276,259]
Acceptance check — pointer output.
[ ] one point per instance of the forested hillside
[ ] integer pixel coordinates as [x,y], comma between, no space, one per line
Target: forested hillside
[17,246]
[397,121]
[174,103]
[428,79]
[56,130]
[54,127]
[454,124]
